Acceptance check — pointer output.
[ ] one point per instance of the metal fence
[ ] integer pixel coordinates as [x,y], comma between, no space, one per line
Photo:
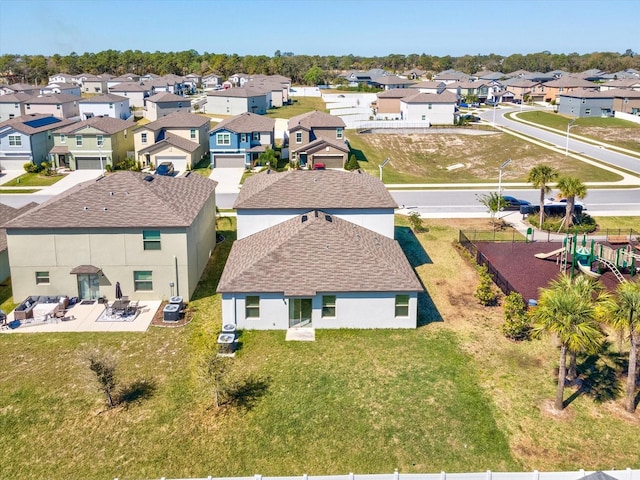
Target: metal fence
[627,474]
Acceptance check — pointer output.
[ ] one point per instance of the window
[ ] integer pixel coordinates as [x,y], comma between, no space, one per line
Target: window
[142,281]
[429,106]
[63,138]
[143,137]
[192,134]
[15,141]
[151,239]
[223,139]
[111,105]
[28,106]
[256,135]
[328,306]
[100,140]
[339,133]
[228,109]
[11,115]
[587,111]
[179,104]
[424,117]
[243,137]
[78,140]
[252,306]
[42,278]
[58,106]
[402,305]
[298,137]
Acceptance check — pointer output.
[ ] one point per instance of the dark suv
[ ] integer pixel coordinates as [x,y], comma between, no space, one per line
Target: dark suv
[165,168]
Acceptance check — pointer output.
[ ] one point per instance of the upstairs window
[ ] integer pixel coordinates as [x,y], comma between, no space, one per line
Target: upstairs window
[143,137]
[15,141]
[298,137]
[243,137]
[63,138]
[100,140]
[192,134]
[223,139]
[256,135]
[78,140]
[339,133]
[151,239]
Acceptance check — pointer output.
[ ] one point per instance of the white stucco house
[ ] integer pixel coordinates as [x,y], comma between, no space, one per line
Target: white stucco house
[106,105]
[234,101]
[320,253]
[431,108]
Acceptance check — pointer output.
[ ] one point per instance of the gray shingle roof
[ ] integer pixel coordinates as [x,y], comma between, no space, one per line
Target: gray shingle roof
[7,213]
[123,200]
[53,98]
[167,97]
[130,87]
[108,125]
[178,120]
[444,97]
[315,119]
[320,144]
[239,92]
[246,123]
[396,93]
[314,189]
[338,256]
[175,140]
[19,123]
[18,97]
[104,98]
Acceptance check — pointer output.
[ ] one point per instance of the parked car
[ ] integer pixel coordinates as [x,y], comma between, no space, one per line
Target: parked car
[319,166]
[514,203]
[470,118]
[563,201]
[464,105]
[475,105]
[165,168]
[492,103]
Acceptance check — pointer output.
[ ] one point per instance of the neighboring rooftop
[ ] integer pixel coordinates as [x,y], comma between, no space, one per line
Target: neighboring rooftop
[108,125]
[314,189]
[178,120]
[104,98]
[246,123]
[35,123]
[122,200]
[315,119]
[338,256]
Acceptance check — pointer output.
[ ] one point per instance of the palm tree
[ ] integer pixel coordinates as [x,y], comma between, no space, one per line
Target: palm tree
[564,311]
[540,177]
[626,318]
[570,188]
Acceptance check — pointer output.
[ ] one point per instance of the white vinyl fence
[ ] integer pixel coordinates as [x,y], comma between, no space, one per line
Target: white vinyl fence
[627,474]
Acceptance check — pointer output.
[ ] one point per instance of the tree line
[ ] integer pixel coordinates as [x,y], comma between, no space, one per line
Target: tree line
[35,69]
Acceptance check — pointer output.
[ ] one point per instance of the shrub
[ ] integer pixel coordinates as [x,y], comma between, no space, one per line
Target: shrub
[108,167]
[486,293]
[416,222]
[516,324]
[31,167]
[352,163]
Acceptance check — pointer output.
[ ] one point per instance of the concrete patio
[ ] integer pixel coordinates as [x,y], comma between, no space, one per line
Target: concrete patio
[84,318]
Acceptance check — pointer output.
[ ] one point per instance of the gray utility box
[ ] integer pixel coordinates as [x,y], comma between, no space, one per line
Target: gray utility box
[171,312]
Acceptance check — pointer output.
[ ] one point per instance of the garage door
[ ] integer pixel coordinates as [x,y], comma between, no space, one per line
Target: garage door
[229,161]
[89,163]
[179,163]
[13,163]
[329,161]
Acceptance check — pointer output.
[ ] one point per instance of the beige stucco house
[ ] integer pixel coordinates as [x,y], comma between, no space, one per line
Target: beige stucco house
[153,234]
[317,137]
[163,104]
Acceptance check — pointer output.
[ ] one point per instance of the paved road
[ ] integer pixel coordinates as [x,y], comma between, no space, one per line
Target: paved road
[613,158]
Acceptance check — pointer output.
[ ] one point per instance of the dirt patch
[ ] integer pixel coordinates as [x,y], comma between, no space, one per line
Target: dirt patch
[612,135]
[184,319]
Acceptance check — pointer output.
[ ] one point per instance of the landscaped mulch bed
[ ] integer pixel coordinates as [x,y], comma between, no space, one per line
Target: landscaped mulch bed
[526,273]
[159,322]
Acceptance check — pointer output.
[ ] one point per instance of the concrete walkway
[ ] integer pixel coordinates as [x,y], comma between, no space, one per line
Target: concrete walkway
[71,180]
[8,175]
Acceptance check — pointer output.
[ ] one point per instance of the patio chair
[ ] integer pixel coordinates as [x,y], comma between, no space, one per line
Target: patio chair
[132,308]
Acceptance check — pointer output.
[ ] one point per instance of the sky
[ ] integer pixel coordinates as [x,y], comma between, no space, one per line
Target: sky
[320,27]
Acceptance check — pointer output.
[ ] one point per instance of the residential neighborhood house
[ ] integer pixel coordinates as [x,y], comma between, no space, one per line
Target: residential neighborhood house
[105,105]
[239,140]
[317,138]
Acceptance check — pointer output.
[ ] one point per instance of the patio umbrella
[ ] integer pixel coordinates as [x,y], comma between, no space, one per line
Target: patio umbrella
[118,291]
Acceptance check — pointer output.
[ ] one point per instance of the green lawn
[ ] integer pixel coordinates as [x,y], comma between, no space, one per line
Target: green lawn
[33,180]
[300,105]
[622,223]
[4,191]
[452,395]
[614,131]
[417,158]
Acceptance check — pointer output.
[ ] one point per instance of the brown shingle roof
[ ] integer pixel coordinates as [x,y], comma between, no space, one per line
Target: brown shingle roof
[104,98]
[108,125]
[314,189]
[7,213]
[396,93]
[174,140]
[18,97]
[315,119]
[20,123]
[53,98]
[246,123]
[122,200]
[393,80]
[444,97]
[178,120]
[573,82]
[338,256]
[167,97]
[130,87]
[320,144]
[240,92]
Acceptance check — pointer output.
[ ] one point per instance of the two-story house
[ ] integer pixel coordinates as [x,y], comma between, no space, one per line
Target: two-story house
[234,101]
[124,227]
[105,105]
[59,105]
[67,88]
[95,83]
[26,139]
[13,105]
[429,108]
[136,92]
[164,103]
[565,84]
[180,137]
[238,141]
[92,144]
[317,138]
[344,268]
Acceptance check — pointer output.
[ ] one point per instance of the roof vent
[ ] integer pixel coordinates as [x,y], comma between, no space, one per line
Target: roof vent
[304,218]
[111,194]
[85,208]
[104,209]
[316,213]
[268,171]
[148,178]
[328,218]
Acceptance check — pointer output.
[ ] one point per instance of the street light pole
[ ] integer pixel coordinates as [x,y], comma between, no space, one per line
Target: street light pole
[500,176]
[101,166]
[569,125]
[387,160]
[494,113]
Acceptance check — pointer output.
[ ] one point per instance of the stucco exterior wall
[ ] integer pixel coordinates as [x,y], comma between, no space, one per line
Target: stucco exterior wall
[118,254]
[438,114]
[12,108]
[114,110]
[65,110]
[250,221]
[352,310]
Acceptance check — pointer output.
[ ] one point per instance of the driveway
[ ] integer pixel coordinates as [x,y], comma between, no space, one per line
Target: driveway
[228,179]
[8,175]
[70,180]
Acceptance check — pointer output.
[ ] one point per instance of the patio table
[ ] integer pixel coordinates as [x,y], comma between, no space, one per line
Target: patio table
[120,305]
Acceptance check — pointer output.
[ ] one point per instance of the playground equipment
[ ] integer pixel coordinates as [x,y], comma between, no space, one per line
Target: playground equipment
[577,256]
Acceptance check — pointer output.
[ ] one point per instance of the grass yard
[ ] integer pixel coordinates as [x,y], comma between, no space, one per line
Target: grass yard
[424,158]
[33,180]
[615,131]
[300,105]
[452,395]
[4,191]
[622,223]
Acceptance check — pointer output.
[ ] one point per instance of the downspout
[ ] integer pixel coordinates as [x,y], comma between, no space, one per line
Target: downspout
[175,260]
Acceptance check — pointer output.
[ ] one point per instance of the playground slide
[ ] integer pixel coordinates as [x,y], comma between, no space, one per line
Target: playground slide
[550,254]
[587,270]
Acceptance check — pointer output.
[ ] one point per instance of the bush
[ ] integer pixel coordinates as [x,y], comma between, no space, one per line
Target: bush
[31,167]
[584,223]
[416,222]
[352,163]
[486,292]
[516,324]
